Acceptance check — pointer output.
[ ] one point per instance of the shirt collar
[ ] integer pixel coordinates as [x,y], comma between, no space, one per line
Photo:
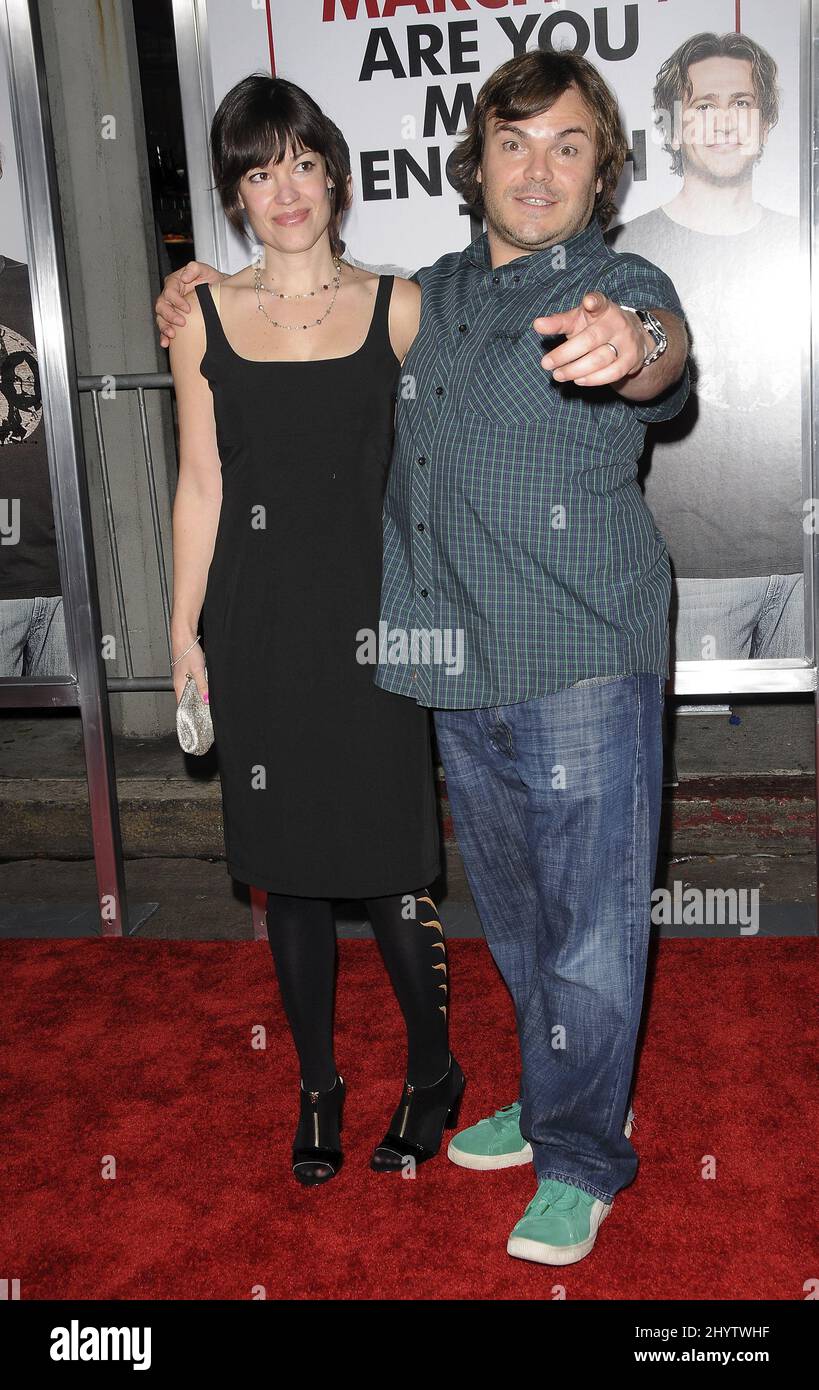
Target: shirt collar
[538,266]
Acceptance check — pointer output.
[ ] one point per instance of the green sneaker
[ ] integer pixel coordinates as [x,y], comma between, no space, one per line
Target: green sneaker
[497,1142]
[559,1226]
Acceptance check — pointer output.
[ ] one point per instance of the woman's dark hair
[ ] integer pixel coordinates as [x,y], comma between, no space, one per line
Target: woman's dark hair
[674,84]
[262,118]
[526,85]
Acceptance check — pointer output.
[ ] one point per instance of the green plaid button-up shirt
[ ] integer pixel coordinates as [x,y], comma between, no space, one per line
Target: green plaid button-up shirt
[519,554]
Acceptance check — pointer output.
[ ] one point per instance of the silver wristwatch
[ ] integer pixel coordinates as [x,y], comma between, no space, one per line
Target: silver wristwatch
[656,330]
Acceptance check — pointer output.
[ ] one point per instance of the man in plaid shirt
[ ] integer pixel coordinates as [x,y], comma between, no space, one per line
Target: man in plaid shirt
[515,527]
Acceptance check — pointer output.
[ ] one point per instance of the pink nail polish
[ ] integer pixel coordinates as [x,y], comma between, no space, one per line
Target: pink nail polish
[206,698]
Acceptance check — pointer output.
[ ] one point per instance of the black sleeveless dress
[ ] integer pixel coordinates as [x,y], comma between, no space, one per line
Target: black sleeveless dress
[327,780]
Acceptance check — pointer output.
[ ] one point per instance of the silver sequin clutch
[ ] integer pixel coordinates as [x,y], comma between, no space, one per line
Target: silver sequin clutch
[193,722]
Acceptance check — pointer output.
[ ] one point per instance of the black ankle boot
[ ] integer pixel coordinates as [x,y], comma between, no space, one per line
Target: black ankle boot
[418,1125]
[317,1153]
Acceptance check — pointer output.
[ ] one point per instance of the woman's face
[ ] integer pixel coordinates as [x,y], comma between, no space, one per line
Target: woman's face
[288,204]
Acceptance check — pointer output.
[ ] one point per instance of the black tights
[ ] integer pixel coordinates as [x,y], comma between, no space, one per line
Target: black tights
[302,936]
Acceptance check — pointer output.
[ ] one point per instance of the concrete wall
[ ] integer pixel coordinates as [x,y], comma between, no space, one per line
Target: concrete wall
[96,110]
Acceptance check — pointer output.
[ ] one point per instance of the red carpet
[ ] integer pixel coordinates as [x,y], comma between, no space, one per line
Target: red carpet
[141,1053]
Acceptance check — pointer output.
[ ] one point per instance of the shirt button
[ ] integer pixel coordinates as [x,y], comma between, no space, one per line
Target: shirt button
[516,278]
[462,328]
[422,461]
[424,593]
[421,526]
[495,279]
[439,390]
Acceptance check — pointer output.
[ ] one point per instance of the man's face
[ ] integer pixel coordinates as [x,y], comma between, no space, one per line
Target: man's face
[721,129]
[538,176]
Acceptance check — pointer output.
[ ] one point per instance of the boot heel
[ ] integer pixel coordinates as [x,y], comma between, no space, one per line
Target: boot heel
[451,1121]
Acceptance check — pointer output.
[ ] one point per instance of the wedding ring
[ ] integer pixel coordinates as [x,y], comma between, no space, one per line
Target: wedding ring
[613,348]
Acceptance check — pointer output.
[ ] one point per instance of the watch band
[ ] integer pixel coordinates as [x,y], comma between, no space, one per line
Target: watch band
[655,328]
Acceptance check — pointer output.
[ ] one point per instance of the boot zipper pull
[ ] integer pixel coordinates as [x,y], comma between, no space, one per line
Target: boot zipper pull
[409,1092]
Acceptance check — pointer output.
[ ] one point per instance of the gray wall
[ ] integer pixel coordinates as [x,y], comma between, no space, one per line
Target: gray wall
[96,111]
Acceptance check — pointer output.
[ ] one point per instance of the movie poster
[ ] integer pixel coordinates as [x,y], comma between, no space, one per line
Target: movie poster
[29,564]
[713,102]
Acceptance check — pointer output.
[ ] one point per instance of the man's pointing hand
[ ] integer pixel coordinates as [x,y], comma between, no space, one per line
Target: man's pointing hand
[592,330]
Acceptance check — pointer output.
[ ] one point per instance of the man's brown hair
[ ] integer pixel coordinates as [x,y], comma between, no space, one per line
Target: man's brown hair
[526,85]
[674,84]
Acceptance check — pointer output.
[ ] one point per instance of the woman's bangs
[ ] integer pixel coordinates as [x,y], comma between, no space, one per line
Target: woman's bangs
[273,139]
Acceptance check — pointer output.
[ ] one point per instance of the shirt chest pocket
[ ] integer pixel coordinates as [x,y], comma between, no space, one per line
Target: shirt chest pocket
[507,385]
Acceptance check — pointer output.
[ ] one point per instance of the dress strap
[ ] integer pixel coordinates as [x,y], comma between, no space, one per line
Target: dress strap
[209,303]
[208,296]
[382,298]
[379,335]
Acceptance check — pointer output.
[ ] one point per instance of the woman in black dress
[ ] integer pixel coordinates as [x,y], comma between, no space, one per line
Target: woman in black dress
[286,382]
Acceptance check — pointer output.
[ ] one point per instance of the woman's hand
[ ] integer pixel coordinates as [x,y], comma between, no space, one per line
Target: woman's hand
[172,305]
[193,662]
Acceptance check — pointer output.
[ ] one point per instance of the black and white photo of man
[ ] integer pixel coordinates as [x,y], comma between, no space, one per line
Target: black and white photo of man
[723,479]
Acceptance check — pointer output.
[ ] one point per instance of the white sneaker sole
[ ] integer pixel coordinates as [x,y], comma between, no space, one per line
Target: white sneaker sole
[487,1162]
[521,1248]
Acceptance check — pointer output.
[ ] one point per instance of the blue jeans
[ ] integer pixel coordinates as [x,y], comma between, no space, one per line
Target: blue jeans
[754,618]
[33,639]
[556,806]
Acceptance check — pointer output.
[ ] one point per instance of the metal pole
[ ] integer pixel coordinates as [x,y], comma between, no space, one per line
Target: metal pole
[812,181]
[66,461]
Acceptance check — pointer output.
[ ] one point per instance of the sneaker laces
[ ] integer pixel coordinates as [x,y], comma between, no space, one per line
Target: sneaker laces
[560,1196]
[503,1118]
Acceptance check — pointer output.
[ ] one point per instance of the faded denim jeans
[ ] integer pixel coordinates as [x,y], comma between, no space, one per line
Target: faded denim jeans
[556,806]
[757,618]
[33,639]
